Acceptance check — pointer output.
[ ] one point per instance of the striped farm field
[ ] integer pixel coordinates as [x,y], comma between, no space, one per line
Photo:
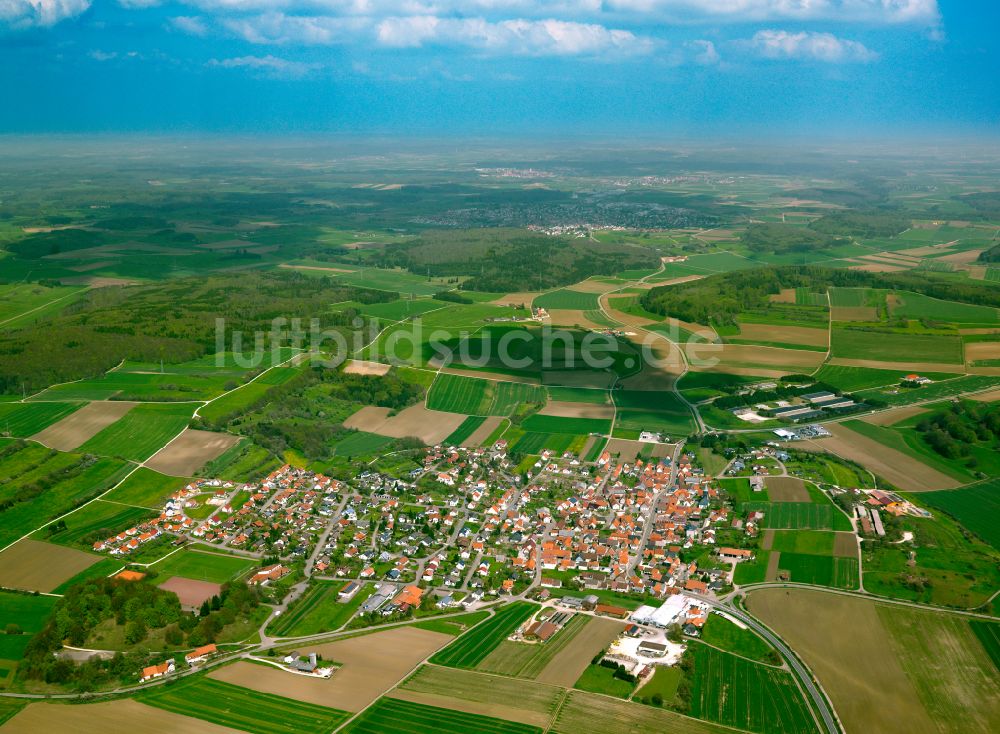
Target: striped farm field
[736,692]
[96,518]
[142,432]
[471,648]
[803,568]
[457,394]
[468,427]
[559,424]
[894,347]
[976,506]
[799,515]
[508,396]
[319,610]
[565,298]
[241,708]
[586,713]
[988,634]
[26,419]
[394,715]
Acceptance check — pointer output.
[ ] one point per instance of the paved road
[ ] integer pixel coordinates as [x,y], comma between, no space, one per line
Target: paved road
[829,719]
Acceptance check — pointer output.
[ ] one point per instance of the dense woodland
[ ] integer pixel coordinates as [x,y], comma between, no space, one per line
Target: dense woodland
[141,609]
[955,431]
[506,260]
[862,224]
[172,321]
[784,238]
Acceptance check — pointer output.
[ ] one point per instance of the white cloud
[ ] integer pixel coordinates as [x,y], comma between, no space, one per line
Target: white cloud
[271,66]
[312,30]
[190,24]
[775,44]
[518,37]
[39,13]
[98,55]
[703,52]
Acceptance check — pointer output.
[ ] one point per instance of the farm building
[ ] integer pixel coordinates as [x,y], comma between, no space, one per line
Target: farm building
[157,671]
[735,554]
[268,574]
[201,653]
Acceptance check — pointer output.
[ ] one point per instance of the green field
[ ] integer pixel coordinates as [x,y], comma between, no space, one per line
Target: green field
[976,506]
[657,411]
[141,432]
[68,481]
[663,683]
[799,515]
[527,661]
[401,309]
[893,347]
[26,419]
[939,390]
[361,443]
[567,299]
[917,306]
[466,685]
[242,708]
[803,568]
[102,569]
[753,572]
[146,488]
[908,441]
[817,542]
[143,385]
[722,633]
[849,379]
[466,429]
[988,634]
[28,612]
[471,648]
[578,395]
[746,695]
[393,715]
[319,610]
[476,396]
[96,521]
[599,679]
[556,424]
[193,564]
[586,713]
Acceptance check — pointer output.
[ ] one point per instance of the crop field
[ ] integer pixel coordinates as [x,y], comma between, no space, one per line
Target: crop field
[975,506]
[74,480]
[319,610]
[242,708]
[193,564]
[476,396]
[938,390]
[391,714]
[82,424]
[146,488]
[361,443]
[529,660]
[190,451]
[722,633]
[584,713]
[28,612]
[391,280]
[578,395]
[401,309]
[883,346]
[509,396]
[988,634]
[804,568]
[96,520]
[35,566]
[469,426]
[472,648]
[26,419]
[149,386]
[564,664]
[799,515]
[559,424]
[849,379]
[475,693]
[817,542]
[909,443]
[952,673]
[22,299]
[746,695]
[566,299]
[599,679]
[917,306]
[142,432]
[108,716]
[430,426]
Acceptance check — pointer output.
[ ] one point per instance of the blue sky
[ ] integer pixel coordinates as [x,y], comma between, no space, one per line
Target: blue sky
[600,67]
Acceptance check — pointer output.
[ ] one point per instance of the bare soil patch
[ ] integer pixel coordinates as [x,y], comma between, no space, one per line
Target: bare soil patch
[787,334]
[594,286]
[878,268]
[978,272]
[975,351]
[786,489]
[894,416]
[430,426]
[903,471]
[961,258]
[498,376]
[569,663]
[843,641]
[484,431]
[577,410]
[845,545]
[370,665]
[36,566]
[767,541]
[572,317]
[772,565]
[787,295]
[749,356]
[81,425]
[109,716]
[672,281]
[990,396]
[926,250]
[626,448]
[190,591]
[517,299]
[853,313]
[190,451]
[362,367]
[881,260]
[97,281]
